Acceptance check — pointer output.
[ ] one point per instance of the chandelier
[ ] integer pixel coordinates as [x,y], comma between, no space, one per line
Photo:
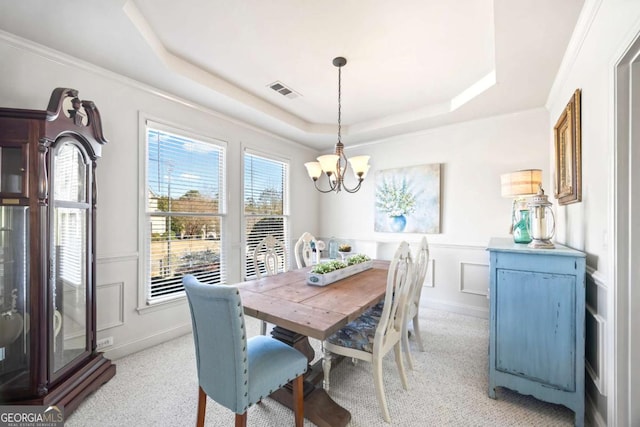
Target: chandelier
[335,166]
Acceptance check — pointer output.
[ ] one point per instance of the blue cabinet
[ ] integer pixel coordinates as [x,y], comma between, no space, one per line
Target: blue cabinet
[536,337]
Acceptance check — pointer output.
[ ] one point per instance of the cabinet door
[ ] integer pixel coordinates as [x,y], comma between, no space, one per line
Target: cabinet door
[15,349]
[535,326]
[13,169]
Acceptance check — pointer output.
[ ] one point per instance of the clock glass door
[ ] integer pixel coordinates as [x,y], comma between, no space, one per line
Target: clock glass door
[70,221]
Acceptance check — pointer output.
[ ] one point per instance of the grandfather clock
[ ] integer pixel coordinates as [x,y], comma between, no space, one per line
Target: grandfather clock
[47,253]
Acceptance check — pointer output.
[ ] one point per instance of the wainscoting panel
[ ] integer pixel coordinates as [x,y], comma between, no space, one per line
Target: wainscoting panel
[594,348]
[462,277]
[111,312]
[474,278]
[430,280]
[596,330]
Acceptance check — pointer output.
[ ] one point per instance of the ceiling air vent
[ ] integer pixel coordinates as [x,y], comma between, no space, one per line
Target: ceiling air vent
[283,90]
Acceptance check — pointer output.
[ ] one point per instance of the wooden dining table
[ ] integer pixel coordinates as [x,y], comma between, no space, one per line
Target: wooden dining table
[300,311]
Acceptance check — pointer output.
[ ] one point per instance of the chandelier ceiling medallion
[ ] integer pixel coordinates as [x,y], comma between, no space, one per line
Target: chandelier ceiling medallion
[334,166]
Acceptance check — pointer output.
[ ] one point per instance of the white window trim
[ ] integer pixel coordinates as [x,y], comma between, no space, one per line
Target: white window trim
[143,306]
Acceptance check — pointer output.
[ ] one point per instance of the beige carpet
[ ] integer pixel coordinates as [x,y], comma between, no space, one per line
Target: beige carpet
[158,387]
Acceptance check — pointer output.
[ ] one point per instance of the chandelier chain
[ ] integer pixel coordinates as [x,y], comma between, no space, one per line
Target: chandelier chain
[339,103]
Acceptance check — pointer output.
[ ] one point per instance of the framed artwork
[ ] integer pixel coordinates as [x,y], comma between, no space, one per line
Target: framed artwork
[408,200]
[567,135]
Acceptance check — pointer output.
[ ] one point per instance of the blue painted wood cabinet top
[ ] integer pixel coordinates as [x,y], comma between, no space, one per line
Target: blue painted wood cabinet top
[536,336]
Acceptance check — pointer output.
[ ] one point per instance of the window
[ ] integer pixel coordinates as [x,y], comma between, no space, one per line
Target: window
[266,207]
[184,211]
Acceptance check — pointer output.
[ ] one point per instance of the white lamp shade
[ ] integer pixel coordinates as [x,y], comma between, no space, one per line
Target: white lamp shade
[520,183]
[313,169]
[328,163]
[364,172]
[359,164]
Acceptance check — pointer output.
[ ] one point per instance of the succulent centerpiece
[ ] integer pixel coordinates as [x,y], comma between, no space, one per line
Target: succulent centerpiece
[331,271]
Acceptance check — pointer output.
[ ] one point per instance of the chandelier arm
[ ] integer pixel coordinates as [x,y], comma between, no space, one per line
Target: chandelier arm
[332,185]
[354,189]
[315,183]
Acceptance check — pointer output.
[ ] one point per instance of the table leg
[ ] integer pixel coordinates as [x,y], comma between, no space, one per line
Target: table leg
[319,407]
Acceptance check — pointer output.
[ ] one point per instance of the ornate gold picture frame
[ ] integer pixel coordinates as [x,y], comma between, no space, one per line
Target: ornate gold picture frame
[567,132]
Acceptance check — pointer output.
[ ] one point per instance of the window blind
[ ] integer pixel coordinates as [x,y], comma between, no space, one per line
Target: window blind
[266,208]
[185,211]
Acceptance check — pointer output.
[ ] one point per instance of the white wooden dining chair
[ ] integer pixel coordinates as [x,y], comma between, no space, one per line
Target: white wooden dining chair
[370,338]
[302,249]
[420,266]
[271,254]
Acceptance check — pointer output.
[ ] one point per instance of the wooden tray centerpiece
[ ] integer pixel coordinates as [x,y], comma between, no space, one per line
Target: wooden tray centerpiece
[328,272]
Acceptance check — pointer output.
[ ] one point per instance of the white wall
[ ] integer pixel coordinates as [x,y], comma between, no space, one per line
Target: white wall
[473,155]
[604,31]
[29,75]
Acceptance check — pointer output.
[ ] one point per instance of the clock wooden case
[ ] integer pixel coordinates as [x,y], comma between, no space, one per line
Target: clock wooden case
[48,253]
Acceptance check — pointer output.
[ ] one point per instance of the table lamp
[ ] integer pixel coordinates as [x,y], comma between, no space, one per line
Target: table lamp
[519,185]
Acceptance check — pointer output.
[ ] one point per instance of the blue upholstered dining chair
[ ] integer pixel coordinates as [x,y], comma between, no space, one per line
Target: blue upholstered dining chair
[370,338]
[235,371]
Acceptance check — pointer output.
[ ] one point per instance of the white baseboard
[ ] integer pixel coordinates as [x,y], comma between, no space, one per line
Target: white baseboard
[592,416]
[467,310]
[133,347]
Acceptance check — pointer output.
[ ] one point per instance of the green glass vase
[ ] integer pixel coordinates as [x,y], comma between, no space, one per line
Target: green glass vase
[521,228]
